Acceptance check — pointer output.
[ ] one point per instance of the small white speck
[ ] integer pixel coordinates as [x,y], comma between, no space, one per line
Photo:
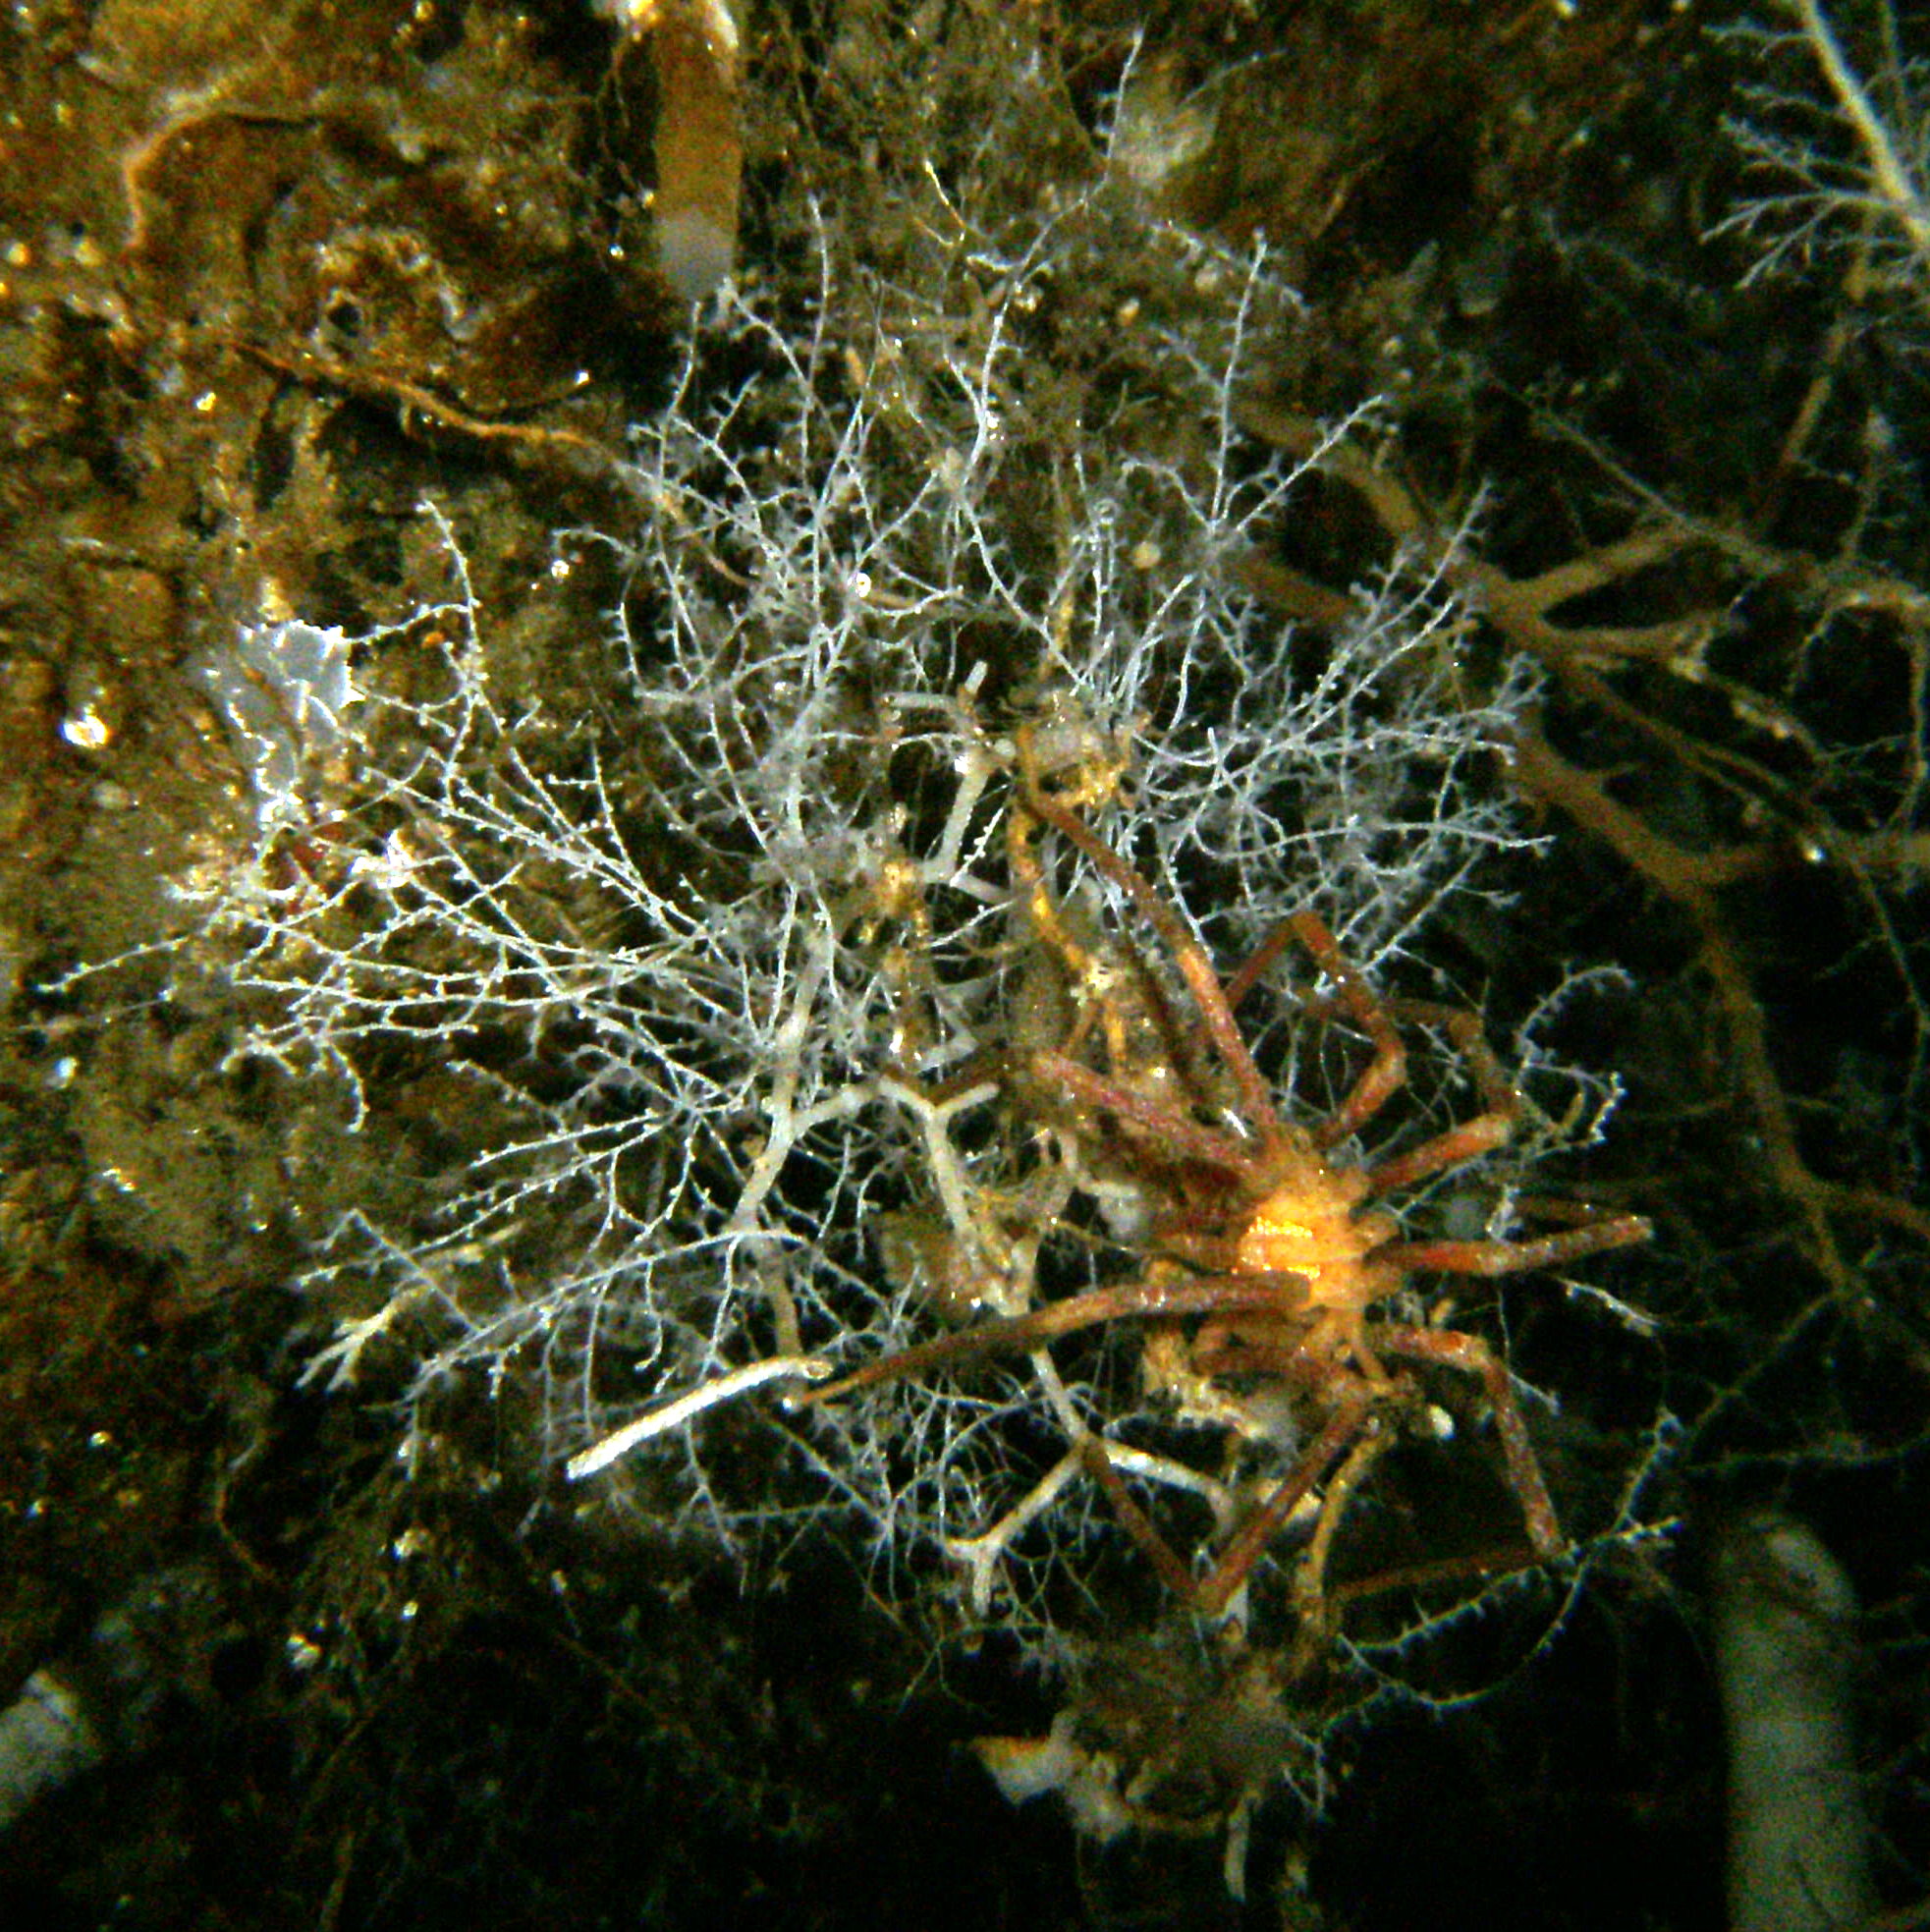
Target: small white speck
[87,728]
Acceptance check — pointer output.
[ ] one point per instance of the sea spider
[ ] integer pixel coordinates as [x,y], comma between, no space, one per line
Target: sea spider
[1275,1251]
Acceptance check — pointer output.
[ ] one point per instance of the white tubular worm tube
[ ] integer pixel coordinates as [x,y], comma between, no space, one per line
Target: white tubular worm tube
[674,1415]
[1786,1656]
[46,1742]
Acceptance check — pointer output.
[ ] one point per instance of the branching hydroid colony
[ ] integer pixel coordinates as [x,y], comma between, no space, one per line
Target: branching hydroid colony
[1841,155]
[744,979]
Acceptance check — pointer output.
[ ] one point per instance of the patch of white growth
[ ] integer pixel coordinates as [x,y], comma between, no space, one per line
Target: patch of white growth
[285,692]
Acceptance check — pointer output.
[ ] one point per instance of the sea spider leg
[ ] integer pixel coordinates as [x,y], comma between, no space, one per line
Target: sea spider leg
[1188,953]
[1491,1129]
[1343,1427]
[1257,963]
[1020,1333]
[1172,1571]
[1093,974]
[1176,1130]
[1210,1594]
[1385,1072]
[1472,1357]
[1388,1069]
[1448,1347]
[1494,1128]
[1503,1257]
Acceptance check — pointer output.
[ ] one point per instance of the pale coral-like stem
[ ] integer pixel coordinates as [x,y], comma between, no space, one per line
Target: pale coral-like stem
[674,1415]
